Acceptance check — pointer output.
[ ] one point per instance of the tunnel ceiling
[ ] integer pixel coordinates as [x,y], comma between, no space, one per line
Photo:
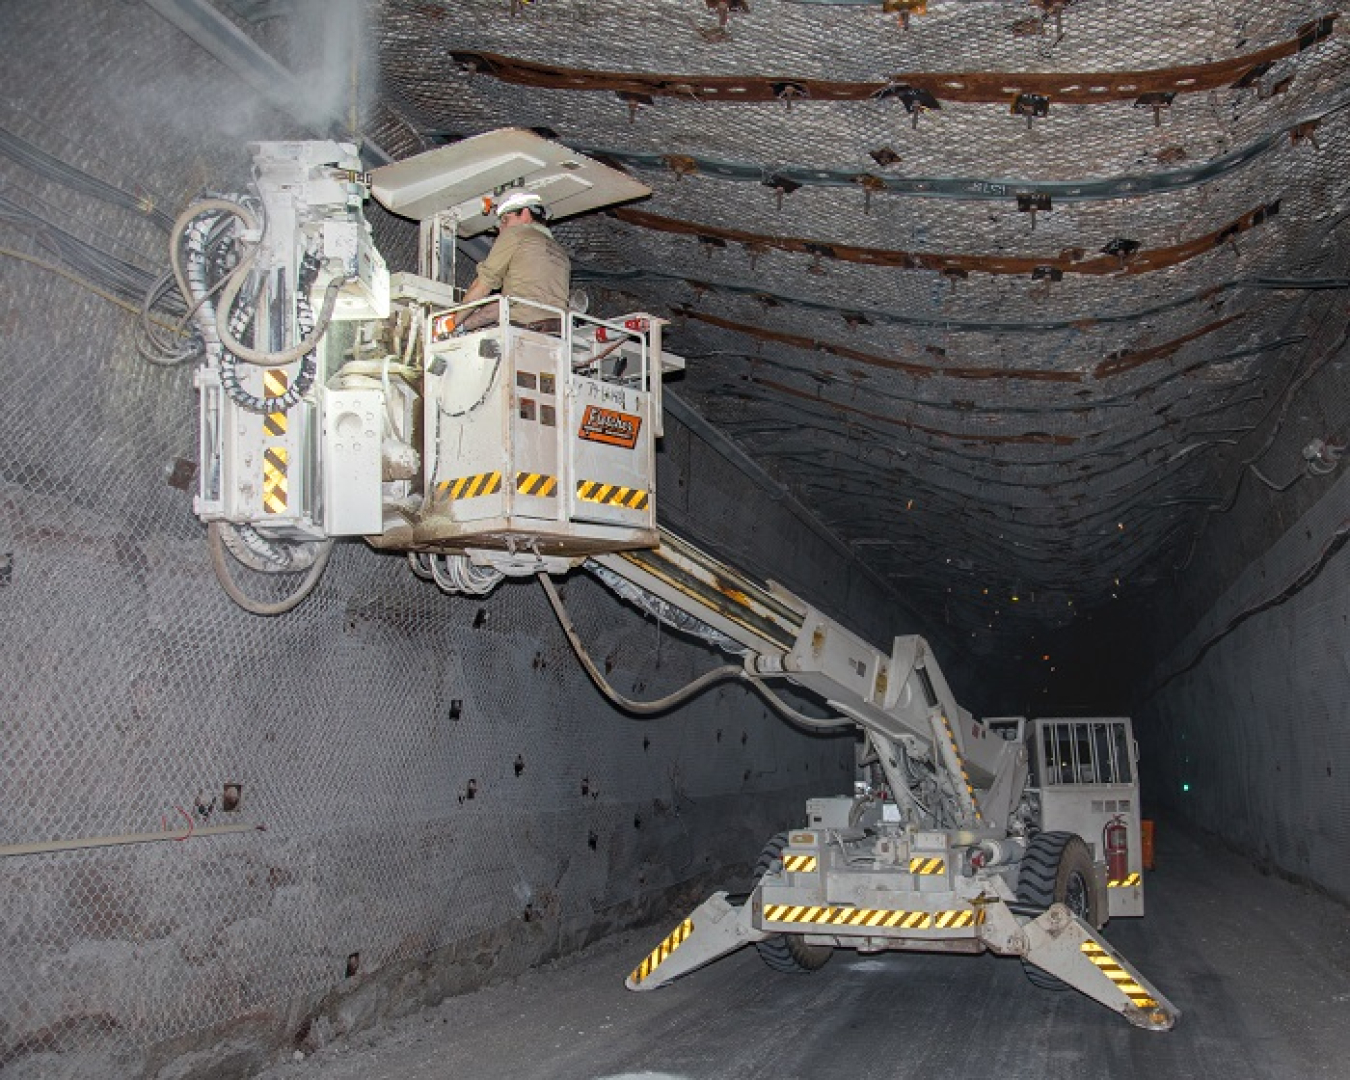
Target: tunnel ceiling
[1007,293]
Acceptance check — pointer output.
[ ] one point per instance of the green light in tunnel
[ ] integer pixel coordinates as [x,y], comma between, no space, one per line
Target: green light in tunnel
[1185,787]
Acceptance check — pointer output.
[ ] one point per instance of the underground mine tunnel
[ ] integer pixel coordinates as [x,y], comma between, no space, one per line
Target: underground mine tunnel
[914,540]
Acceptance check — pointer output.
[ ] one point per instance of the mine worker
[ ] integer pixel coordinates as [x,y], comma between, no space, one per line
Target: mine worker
[525,263]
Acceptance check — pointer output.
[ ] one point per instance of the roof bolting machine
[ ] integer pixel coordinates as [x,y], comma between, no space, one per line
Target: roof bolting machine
[337,401]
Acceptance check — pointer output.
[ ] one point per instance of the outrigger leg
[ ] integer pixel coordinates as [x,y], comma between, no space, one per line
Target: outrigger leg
[1061,944]
[715,928]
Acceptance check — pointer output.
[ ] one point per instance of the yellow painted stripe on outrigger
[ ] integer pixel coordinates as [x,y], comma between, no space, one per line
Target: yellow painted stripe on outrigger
[1124,981]
[799,864]
[658,955]
[1126,882]
[927,865]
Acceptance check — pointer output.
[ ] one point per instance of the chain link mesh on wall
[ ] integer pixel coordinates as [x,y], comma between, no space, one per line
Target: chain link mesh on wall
[411,774]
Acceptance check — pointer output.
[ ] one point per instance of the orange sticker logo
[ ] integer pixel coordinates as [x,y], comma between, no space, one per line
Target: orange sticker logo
[608,426]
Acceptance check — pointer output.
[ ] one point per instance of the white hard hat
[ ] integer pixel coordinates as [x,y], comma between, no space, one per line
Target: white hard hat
[513,199]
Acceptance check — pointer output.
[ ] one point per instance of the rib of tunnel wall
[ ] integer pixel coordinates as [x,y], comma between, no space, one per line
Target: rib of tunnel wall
[446,799]
[1245,726]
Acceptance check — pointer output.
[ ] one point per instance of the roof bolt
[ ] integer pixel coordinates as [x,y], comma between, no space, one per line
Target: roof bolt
[954,274]
[787,92]
[884,156]
[1055,8]
[1046,275]
[869,184]
[725,7]
[1157,101]
[1304,132]
[914,100]
[468,63]
[710,244]
[755,250]
[681,165]
[634,102]
[1122,249]
[1032,106]
[1031,202]
[781,186]
[818,252]
[904,9]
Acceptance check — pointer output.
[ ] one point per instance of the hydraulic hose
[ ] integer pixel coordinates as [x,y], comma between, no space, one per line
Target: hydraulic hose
[219,563]
[186,218]
[640,708]
[236,282]
[827,725]
[285,356]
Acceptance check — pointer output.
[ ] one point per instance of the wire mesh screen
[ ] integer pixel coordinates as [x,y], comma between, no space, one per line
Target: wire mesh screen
[1017,351]
[943,294]
[282,808]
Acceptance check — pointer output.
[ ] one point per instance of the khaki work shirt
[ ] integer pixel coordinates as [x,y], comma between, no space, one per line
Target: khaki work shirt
[526,262]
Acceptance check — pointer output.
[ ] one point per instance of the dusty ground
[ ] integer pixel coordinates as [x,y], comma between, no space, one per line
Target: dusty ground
[1259,967]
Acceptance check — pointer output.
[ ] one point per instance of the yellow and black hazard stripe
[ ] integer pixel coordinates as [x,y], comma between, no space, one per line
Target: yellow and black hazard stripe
[275,493]
[276,459]
[1129,881]
[955,920]
[920,864]
[470,487]
[275,385]
[1125,982]
[536,484]
[960,761]
[873,917]
[658,955]
[847,916]
[612,495]
[799,864]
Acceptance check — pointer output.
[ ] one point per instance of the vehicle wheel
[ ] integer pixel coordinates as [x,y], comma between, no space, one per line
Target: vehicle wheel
[1057,869]
[786,952]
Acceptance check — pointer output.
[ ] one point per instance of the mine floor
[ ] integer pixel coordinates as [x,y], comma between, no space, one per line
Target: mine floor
[1260,968]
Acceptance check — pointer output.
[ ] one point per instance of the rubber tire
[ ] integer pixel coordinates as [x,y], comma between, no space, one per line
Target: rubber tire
[1057,869]
[788,953]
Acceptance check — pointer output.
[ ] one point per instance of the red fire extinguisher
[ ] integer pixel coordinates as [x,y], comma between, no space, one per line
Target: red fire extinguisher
[1116,837]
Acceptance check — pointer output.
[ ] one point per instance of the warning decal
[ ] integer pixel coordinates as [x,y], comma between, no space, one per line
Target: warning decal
[610,426]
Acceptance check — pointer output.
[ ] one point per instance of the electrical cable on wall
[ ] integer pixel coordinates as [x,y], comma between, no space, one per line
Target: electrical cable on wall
[1247,463]
[1305,578]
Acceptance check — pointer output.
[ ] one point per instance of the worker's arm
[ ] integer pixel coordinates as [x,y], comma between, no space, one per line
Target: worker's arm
[476,291]
[492,270]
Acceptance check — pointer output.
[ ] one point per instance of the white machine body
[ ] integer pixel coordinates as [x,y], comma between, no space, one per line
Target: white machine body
[517,449]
